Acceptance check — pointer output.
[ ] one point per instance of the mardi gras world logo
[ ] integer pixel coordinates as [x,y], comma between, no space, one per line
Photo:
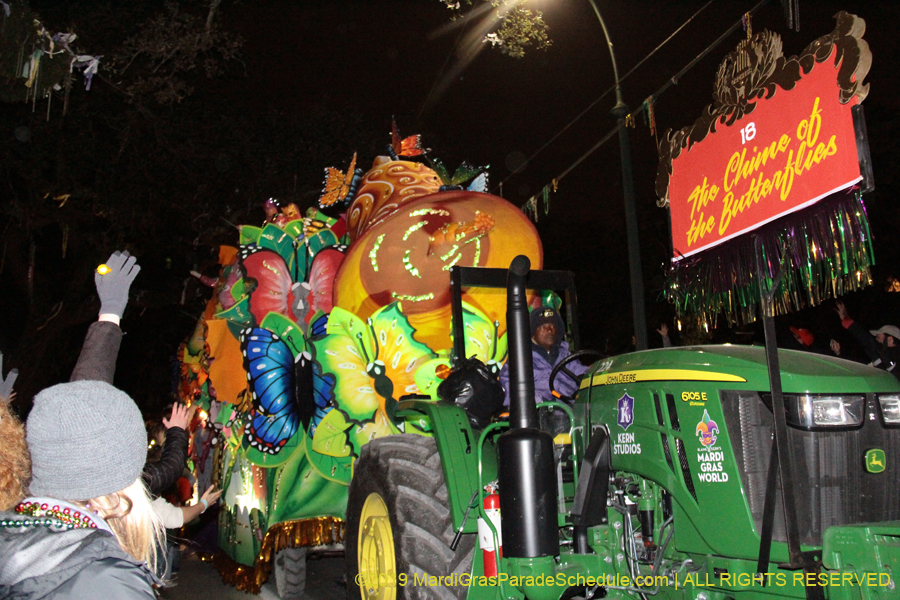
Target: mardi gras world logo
[707,430]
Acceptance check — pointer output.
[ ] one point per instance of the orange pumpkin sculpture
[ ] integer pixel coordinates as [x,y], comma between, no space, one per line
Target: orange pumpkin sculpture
[407,235]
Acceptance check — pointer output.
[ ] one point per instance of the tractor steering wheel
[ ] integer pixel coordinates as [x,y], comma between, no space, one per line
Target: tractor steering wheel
[561,366]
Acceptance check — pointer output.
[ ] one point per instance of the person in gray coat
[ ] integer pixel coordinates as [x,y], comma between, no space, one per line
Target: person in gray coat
[87,531]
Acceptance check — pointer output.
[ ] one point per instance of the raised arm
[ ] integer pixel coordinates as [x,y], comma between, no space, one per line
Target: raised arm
[97,361]
[161,474]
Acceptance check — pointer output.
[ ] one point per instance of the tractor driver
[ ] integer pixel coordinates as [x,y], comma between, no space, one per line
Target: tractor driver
[548,349]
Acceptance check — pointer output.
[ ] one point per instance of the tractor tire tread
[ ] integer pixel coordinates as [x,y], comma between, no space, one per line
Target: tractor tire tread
[290,573]
[406,471]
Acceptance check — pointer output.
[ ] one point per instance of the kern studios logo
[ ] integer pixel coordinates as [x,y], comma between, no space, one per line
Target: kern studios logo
[625,412]
[875,461]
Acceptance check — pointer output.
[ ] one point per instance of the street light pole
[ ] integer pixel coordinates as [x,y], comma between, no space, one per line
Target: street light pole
[620,111]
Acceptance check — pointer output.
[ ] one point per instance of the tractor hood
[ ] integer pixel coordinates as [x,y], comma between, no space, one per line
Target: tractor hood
[743,366]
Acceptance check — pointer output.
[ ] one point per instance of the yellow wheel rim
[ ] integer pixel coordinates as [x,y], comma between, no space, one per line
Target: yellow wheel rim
[375,548]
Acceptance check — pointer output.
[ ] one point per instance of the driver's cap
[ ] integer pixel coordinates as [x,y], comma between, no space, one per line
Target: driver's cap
[546,314]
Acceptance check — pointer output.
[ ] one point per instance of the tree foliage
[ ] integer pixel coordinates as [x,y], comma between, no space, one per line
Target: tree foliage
[152,160]
[512,27]
[154,61]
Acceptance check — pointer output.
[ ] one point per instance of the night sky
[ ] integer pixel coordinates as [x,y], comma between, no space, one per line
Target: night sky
[402,58]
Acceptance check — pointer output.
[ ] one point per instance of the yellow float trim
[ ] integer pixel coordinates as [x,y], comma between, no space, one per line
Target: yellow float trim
[658,375]
[317,531]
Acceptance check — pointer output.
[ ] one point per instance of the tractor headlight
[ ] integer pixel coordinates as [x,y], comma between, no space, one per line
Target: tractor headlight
[890,409]
[811,412]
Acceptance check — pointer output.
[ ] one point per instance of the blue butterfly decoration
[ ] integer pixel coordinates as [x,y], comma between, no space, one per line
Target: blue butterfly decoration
[315,389]
[479,184]
[317,327]
[323,396]
[270,372]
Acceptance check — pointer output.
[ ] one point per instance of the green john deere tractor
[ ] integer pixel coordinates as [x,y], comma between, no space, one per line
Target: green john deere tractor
[684,476]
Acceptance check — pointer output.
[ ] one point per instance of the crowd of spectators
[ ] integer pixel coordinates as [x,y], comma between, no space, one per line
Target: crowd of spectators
[82,515]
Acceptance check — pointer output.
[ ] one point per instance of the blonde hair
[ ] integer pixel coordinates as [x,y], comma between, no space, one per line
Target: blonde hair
[15,460]
[134,522]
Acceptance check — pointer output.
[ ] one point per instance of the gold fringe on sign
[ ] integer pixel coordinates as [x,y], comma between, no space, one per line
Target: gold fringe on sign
[319,531]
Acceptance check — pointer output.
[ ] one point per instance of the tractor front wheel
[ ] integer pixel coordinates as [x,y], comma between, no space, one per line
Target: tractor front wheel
[399,528]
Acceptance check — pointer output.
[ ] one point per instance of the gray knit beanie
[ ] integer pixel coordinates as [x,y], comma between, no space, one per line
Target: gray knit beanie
[86,439]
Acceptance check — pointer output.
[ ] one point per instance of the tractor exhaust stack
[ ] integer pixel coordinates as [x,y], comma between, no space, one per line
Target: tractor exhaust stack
[527,474]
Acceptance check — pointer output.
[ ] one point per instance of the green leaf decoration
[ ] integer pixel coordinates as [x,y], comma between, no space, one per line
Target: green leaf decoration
[333,468]
[464,172]
[481,336]
[397,346]
[249,234]
[294,228]
[287,329]
[225,412]
[274,238]
[347,325]
[354,390]
[319,240]
[438,167]
[328,448]
[330,438]
[204,400]
[426,379]
[380,426]
[237,317]
[264,459]
[297,491]
[317,215]
[238,289]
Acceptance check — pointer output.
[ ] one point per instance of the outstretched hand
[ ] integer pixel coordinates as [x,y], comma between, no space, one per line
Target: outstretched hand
[835,347]
[211,495]
[841,310]
[181,416]
[6,383]
[114,281]
[663,330]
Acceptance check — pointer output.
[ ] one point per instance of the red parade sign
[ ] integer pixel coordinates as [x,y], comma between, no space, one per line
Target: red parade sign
[794,149]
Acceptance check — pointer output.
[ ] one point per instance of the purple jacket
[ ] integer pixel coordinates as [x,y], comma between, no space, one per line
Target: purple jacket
[542,369]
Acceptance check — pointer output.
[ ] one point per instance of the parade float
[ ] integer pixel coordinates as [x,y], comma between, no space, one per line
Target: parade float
[322,352]
[319,323]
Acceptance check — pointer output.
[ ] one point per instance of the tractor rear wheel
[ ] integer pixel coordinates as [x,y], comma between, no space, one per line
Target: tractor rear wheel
[399,528]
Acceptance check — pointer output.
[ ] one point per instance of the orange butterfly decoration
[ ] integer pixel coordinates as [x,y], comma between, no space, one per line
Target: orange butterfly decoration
[340,188]
[411,146]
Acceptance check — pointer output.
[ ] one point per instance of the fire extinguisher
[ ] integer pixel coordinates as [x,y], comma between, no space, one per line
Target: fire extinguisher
[486,536]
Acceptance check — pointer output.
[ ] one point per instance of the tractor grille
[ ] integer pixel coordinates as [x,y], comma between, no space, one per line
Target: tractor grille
[662,436]
[679,447]
[832,486]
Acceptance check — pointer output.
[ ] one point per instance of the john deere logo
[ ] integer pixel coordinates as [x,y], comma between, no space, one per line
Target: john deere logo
[875,460]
